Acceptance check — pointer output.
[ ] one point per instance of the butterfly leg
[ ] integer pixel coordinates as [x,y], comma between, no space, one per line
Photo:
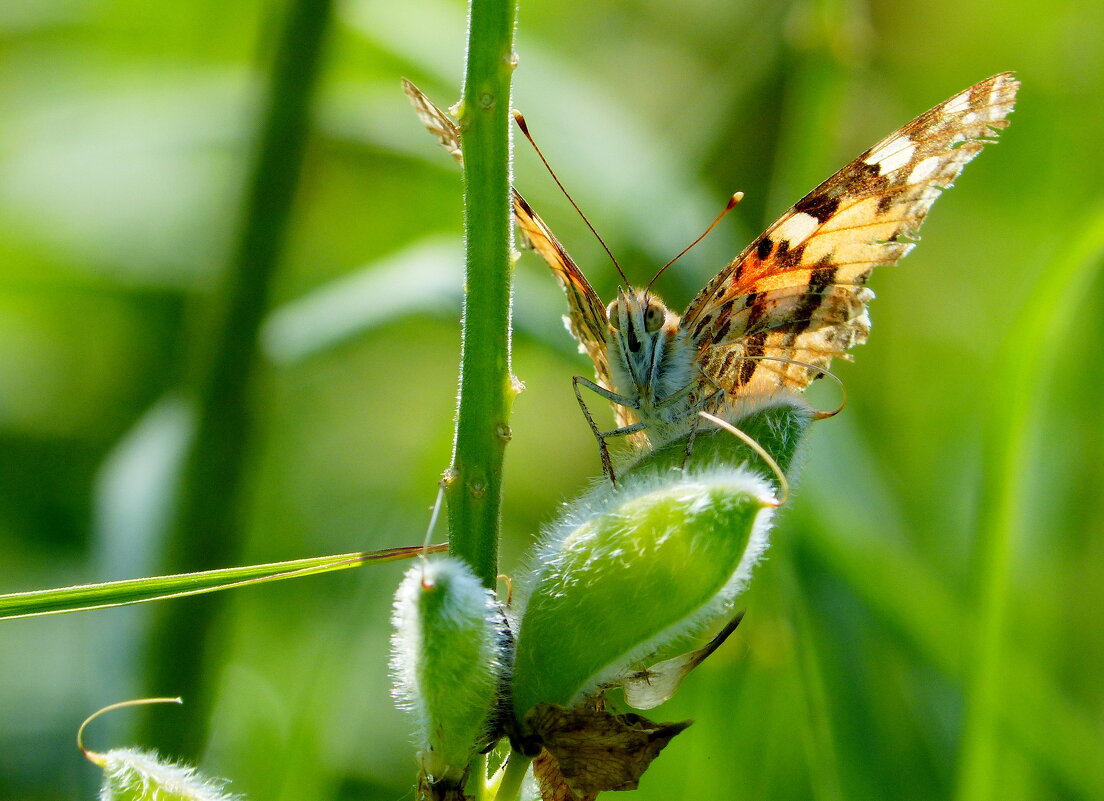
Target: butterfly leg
[693,406]
[708,403]
[613,397]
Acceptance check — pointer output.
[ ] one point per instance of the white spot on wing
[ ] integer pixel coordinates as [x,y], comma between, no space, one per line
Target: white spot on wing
[797,228]
[959,102]
[923,169]
[892,155]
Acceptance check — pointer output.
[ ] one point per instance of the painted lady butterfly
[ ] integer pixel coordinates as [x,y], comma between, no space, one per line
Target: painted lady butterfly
[774,318]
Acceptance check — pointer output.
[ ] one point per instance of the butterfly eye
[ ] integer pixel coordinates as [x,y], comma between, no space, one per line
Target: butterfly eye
[613,316]
[654,318]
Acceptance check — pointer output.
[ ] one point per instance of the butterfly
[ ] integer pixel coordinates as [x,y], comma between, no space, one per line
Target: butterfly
[773,319]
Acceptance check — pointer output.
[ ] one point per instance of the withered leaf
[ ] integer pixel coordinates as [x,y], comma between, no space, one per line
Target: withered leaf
[553,786]
[596,750]
[440,790]
[652,686]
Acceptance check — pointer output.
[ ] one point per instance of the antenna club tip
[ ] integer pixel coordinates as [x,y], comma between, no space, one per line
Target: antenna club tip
[736,198]
[520,120]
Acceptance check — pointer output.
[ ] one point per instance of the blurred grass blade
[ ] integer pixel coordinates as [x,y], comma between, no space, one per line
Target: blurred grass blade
[423,278]
[134,496]
[1042,327]
[136,489]
[84,597]
[816,74]
[890,580]
[206,530]
[870,555]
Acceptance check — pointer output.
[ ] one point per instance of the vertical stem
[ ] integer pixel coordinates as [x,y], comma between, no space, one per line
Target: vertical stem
[206,531]
[474,483]
[513,777]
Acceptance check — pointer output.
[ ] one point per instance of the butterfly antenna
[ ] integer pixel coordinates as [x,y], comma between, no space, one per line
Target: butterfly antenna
[732,201]
[520,120]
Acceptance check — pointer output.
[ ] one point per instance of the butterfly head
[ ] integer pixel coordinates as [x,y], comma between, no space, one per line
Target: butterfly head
[640,327]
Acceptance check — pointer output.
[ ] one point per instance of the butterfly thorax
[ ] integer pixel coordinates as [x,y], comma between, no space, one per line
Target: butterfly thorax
[651,361]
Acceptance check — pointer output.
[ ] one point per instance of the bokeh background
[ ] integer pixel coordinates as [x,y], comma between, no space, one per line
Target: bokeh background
[970,451]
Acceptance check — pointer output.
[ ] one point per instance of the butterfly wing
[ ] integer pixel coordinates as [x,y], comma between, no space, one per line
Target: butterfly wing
[437,122]
[586,320]
[798,292]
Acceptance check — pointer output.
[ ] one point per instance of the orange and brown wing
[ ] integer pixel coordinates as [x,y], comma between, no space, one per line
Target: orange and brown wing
[798,292]
[437,122]
[587,314]
[586,318]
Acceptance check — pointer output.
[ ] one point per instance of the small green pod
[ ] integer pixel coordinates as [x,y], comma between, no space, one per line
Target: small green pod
[131,774]
[446,661]
[631,571]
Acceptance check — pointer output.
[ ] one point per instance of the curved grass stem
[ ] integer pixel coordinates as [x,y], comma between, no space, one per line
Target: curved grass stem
[206,531]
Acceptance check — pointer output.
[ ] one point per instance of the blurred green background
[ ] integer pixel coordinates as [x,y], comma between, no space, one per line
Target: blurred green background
[125,130]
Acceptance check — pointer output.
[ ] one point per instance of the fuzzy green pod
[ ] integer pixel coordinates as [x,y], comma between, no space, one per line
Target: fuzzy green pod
[630,570]
[446,662]
[779,426]
[134,775]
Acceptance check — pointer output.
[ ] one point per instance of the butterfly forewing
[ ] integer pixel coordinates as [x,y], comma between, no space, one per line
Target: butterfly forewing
[436,121]
[586,319]
[797,293]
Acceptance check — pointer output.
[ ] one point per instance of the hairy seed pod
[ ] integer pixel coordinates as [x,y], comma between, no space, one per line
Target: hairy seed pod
[131,774]
[446,661]
[630,570]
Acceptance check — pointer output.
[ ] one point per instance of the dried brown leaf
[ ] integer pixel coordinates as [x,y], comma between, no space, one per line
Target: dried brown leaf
[596,750]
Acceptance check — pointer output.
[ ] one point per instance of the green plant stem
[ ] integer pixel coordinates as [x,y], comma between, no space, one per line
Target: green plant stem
[477,779]
[510,787]
[474,482]
[206,530]
[1039,332]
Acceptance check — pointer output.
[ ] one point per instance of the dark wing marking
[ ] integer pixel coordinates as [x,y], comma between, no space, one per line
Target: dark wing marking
[798,291]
